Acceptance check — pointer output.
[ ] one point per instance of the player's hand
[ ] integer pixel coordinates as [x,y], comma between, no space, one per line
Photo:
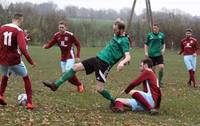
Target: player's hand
[162,51]
[78,60]
[44,46]
[33,65]
[194,54]
[122,92]
[120,66]
[146,55]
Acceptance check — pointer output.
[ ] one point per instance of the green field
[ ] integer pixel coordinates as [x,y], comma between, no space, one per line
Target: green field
[180,104]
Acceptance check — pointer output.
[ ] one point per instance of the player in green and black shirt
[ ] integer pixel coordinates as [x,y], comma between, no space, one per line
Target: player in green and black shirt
[116,50]
[154,48]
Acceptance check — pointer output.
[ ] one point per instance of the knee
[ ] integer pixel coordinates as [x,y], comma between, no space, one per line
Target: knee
[99,88]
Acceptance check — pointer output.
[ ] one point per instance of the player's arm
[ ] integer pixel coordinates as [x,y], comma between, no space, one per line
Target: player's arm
[163,49]
[182,48]
[196,48]
[163,45]
[22,46]
[146,47]
[126,59]
[78,47]
[143,76]
[146,50]
[52,42]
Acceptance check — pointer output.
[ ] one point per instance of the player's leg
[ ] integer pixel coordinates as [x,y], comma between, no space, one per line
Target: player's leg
[65,76]
[105,93]
[74,80]
[119,104]
[21,70]
[188,64]
[160,62]
[193,62]
[142,98]
[4,80]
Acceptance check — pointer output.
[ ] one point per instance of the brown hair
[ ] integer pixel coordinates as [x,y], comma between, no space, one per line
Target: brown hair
[120,24]
[17,16]
[188,30]
[148,61]
[62,23]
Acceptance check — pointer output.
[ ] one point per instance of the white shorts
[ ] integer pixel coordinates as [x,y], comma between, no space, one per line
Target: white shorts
[19,69]
[190,62]
[136,106]
[67,65]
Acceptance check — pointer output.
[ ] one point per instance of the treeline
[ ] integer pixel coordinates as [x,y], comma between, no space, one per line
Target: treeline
[94,27]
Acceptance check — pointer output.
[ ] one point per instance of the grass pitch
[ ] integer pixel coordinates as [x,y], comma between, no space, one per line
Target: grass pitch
[180,104]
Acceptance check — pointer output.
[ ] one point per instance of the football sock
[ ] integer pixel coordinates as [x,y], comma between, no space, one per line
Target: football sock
[75,81]
[141,100]
[119,105]
[191,72]
[107,95]
[66,76]
[4,81]
[160,76]
[28,88]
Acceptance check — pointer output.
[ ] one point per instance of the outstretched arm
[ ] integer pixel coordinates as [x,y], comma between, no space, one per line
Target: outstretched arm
[126,59]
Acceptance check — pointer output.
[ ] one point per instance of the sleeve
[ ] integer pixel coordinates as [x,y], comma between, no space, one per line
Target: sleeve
[78,46]
[182,47]
[52,42]
[143,76]
[22,46]
[125,45]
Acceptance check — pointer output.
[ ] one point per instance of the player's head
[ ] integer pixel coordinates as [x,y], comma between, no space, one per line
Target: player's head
[155,28]
[62,26]
[188,32]
[17,19]
[118,27]
[146,63]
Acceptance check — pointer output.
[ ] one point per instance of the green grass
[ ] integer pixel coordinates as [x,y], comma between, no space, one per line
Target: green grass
[180,104]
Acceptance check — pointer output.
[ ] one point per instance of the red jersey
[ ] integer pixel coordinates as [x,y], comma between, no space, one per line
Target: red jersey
[147,76]
[189,46]
[65,42]
[12,41]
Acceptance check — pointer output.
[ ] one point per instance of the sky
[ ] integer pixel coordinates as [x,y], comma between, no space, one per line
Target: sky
[188,6]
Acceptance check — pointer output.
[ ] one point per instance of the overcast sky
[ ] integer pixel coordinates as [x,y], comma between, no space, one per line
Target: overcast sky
[188,6]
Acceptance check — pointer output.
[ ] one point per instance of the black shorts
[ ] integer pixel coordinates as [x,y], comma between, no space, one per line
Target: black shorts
[98,66]
[157,60]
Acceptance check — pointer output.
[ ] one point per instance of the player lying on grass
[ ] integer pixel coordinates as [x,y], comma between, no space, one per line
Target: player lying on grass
[189,47]
[117,49]
[65,41]
[12,40]
[147,100]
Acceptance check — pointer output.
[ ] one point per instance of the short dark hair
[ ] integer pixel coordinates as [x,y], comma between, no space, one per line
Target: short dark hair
[188,30]
[17,16]
[63,22]
[120,24]
[156,24]
[148,61]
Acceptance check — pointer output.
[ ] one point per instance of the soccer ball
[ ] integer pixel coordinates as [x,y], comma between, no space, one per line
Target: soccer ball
[22,99]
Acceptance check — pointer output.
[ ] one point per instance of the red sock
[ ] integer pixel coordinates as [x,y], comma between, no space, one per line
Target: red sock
[119,105]
[4,81]
[141,100]
[28,88]
[75,81]
[191,72]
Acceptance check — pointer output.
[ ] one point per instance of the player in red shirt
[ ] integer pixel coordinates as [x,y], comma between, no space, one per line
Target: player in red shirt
[147,100]
[12,40]
[189,48]
[65,40]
